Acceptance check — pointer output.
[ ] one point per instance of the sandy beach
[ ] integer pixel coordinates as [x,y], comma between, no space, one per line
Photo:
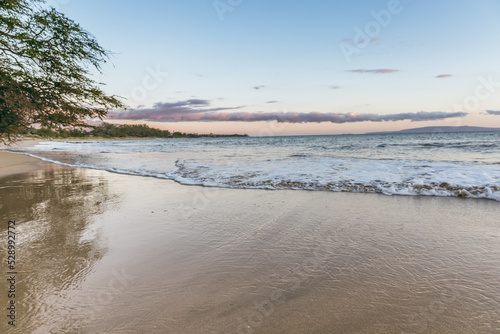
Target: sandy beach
[98,252]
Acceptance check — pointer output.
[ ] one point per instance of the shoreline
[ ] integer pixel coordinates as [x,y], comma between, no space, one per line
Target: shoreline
[12,164]
[18,163]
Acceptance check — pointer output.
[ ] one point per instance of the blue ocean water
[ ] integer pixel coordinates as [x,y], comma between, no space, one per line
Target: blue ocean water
[434,164]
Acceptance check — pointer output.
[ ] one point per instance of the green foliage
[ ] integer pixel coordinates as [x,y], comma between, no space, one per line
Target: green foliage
[107,130]
[141,131]
[45,63]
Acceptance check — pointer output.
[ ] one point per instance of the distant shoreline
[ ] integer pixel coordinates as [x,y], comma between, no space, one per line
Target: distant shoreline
[438,129]
[33,140]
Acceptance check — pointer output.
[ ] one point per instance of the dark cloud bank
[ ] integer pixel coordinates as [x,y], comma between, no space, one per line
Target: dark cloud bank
[199,110]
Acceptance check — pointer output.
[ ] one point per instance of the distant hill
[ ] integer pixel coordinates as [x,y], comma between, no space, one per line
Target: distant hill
[434,129]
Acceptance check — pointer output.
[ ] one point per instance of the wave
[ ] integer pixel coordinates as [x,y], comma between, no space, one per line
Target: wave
[182,176]
[466,145]
[337,164]
[416,184]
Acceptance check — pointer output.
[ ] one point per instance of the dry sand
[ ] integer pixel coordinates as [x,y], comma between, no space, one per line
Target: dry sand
[108,253]
[19,144]
[11,164]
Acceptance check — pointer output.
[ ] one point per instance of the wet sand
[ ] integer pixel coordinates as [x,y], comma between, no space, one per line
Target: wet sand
[105,253]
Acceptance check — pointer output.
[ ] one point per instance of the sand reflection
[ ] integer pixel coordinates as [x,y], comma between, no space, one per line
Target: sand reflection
[57,240]
[110,253]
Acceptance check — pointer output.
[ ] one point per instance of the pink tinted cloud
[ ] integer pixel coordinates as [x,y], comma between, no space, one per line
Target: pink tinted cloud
[442,76]
[195,110]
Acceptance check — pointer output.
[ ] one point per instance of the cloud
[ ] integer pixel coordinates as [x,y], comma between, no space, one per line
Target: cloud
[441,76]
[167,111]
[272,102]
[334,87]
[194,110]
[191,102]
[493,112]
[377,71]
[258,87]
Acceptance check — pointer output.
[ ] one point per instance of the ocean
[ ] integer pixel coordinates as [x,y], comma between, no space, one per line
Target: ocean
[427,164]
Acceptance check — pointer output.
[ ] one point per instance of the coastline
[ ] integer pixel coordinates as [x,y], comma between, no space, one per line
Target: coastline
[19,163]
[104,252]
[19,144]
[12,163]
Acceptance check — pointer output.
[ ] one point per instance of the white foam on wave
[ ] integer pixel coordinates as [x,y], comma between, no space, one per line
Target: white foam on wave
[265,166]
[390,177]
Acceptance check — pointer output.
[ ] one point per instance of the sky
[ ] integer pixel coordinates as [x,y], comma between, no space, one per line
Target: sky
[298,67]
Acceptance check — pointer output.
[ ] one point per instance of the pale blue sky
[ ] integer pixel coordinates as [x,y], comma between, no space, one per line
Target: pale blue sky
[292,52]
